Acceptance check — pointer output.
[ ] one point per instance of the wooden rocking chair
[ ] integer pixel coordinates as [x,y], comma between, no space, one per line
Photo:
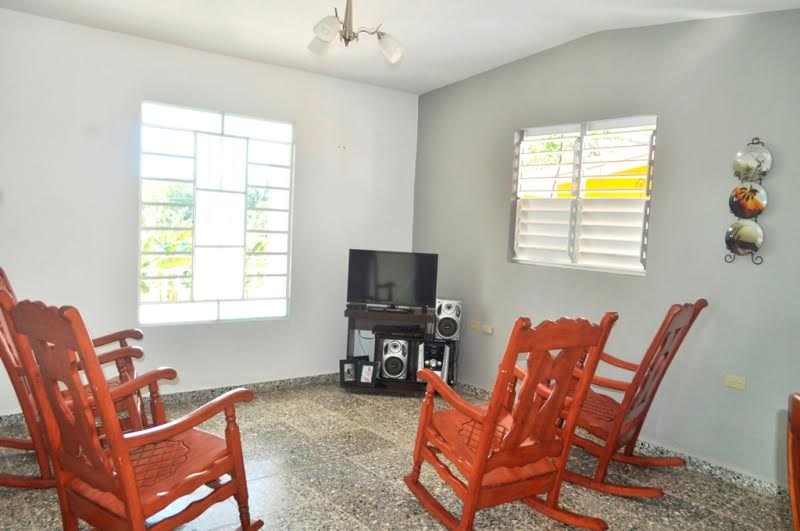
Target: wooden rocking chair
[131,406]
[121,480]
[793,457]
[618,424]
[517,447]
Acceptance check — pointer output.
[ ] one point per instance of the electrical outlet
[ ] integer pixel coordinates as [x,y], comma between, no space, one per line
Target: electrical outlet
[487,329]
[736,382]
[475,325]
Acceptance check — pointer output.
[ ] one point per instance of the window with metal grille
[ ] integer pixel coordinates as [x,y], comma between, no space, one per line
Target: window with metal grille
[583,194]
[215,216]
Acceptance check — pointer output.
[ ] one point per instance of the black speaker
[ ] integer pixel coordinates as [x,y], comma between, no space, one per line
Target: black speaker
[448,319]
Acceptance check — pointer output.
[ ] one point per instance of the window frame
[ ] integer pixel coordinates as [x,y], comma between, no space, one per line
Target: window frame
[292,144]
[577,178]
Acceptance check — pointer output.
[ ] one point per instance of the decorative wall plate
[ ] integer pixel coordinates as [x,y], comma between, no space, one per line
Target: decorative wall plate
[753,162]
[744,237]
[748,200]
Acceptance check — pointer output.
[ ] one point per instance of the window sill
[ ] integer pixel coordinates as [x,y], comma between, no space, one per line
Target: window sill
[214,321]
[596,269]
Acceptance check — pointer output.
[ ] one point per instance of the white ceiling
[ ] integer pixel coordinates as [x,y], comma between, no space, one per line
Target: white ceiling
[446,40]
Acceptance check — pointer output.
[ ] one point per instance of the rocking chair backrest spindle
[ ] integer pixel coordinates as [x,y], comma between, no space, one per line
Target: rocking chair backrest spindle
[61,347]
[19,382]
[11,357]
[656,361]
[530,420]
[5,285]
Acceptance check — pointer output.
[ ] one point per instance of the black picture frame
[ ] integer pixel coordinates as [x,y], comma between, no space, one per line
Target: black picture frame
[368,373]
[348,372]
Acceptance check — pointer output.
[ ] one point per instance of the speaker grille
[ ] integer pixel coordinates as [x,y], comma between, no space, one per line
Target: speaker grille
[393,367]
[447,327]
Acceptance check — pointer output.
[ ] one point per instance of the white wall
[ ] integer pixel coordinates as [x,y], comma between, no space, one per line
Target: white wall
[713,85]
[69,111]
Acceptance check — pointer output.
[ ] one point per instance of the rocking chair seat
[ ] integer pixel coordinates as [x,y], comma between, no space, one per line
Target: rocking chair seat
[598,413]
[165,471]
[112,383]
[462,435]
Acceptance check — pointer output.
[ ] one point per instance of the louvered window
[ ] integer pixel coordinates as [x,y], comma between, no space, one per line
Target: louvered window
[583,194]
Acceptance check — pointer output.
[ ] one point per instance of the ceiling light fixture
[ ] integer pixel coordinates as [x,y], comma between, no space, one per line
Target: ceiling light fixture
[329,27]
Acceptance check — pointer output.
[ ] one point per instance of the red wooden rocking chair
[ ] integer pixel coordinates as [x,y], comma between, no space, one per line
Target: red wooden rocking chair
[618,424]
[131,406]
[517,447]
[793,457]
[120,480]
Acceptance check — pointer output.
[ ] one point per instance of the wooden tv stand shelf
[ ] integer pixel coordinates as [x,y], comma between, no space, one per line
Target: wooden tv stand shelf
[358,319]
[398,317]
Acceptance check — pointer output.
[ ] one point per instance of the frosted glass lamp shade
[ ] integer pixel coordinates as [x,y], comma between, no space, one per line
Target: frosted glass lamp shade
[391,48]
[327,29]
[318,46]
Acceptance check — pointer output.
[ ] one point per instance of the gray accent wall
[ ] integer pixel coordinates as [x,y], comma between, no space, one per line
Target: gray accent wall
[714,85]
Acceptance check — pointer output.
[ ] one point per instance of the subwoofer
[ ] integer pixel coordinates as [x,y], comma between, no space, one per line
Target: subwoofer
[395,359]
[448,319]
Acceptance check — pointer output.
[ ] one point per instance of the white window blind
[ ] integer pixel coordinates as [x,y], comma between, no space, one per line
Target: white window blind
[583,194]
[215,216]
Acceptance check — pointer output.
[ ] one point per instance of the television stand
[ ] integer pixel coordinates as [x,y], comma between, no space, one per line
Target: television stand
[385,319]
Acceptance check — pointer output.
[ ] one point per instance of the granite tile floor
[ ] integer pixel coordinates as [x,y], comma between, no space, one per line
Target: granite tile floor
[318,457]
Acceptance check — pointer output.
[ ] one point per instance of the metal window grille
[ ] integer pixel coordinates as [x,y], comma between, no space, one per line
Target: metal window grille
[215,217]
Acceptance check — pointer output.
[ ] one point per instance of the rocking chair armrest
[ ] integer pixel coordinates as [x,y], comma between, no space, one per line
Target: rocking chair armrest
[143,380]
[120,337]
[120,353]
[185,423]
[610,383]
[436,383]
[616,362]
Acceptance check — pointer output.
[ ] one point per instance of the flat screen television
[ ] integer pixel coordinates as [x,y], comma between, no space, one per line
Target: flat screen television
[391,278]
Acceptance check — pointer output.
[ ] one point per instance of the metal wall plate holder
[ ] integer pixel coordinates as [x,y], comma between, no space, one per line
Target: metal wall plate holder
[757,176]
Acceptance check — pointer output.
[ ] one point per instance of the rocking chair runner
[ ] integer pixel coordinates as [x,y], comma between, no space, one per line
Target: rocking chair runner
[131,405]
[793,457]
[517,447]
[618,424]
[121,481]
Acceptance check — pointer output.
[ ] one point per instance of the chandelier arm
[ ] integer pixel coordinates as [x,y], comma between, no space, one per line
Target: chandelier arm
[376,31]
[336,14]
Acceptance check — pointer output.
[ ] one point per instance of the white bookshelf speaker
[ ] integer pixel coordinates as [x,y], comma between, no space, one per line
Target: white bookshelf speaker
[448,319]
[395,359]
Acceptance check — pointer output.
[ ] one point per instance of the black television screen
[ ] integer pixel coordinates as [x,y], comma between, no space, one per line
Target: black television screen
[391,278]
